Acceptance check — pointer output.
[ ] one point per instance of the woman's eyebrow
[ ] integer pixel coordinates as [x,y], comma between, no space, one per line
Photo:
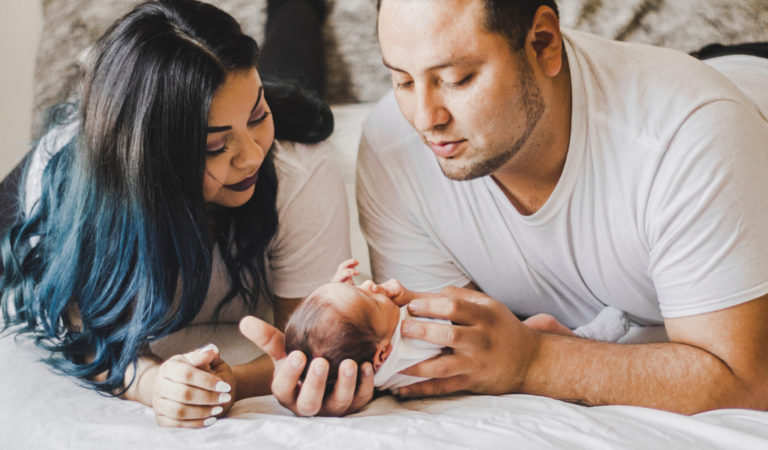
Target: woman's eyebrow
[210,130]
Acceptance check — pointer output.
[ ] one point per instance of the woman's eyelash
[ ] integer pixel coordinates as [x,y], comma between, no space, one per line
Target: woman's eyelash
[260,119]
[217,151]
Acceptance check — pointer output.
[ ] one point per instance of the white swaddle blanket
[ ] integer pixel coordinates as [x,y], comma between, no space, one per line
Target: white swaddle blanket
[405,353]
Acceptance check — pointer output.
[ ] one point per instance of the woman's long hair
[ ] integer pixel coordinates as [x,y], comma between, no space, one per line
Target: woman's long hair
[119,236]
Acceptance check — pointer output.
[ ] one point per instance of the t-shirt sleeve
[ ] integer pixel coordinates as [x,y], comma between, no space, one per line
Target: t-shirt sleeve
[313,230]
[398,244]
[707,218]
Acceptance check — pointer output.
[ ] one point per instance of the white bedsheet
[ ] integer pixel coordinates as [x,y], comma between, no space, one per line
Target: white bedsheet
[39,409]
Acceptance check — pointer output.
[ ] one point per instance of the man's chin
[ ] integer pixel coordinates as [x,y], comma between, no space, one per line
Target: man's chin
[462,171]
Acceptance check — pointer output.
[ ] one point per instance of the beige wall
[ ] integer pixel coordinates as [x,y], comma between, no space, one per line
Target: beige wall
[20,25]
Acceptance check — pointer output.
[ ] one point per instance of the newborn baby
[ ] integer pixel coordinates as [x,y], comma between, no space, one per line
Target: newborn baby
[339,321]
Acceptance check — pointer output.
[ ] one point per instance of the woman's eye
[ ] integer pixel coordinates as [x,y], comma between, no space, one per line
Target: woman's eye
[259,120]
[216,151]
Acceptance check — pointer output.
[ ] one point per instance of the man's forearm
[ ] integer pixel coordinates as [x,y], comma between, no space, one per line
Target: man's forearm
[674,377]
[254,378]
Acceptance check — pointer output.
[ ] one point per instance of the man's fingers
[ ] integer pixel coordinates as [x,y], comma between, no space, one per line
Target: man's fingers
[286,378]
[344,392]
[444,334]
[264,335]
[364,392]
[456,310]
[310,398]
[445,366]
[431,388]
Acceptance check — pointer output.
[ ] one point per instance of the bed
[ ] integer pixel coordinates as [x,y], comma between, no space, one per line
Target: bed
[40,409]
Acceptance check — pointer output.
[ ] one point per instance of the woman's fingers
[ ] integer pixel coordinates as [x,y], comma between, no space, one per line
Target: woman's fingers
[184,412]
[189,395]
[178,371]
[265,336]
[164,421]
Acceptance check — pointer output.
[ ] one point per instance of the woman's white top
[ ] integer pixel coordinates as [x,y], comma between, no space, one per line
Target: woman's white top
[312,237]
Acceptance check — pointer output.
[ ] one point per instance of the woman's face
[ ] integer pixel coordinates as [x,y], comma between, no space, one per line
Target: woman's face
[240,133]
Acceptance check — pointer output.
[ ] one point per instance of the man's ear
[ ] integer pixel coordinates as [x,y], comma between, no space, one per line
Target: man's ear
[546,40]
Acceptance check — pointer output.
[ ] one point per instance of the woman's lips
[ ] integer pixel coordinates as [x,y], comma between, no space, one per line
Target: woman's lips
[245,184]
[446,149]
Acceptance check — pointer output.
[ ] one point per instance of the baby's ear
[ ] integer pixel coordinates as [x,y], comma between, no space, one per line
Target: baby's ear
[381,355]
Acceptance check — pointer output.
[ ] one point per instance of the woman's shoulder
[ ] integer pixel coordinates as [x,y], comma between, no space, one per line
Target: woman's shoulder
[296,158]
[305,173]
[46,148]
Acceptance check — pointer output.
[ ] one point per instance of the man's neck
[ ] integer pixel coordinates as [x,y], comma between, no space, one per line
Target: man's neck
[531,176]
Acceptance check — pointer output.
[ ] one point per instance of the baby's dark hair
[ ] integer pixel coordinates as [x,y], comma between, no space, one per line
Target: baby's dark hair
[319,328]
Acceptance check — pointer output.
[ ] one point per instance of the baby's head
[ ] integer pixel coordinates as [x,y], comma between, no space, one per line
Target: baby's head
[339,321]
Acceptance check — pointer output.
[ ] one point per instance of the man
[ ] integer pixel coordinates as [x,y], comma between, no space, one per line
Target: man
[556,172]
[567,173]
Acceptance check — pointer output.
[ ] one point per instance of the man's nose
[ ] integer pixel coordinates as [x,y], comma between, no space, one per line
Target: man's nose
[430,111]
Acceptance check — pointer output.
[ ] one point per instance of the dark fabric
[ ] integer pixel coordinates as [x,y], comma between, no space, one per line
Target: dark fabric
[293,44]
[751,48]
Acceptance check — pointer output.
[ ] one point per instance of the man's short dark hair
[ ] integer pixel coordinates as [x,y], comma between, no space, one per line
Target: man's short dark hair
[511,18]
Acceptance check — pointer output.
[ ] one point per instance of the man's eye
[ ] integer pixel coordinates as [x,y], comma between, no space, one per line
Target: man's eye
[459,83]
[403,84]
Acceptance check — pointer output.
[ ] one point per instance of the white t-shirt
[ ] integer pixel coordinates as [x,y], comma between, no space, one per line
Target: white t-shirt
[661,209]
[312,236]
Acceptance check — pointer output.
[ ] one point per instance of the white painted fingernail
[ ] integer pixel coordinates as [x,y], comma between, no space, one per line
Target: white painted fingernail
[224,398]
[209,421]
[222,387]
[209,348]
[216,410]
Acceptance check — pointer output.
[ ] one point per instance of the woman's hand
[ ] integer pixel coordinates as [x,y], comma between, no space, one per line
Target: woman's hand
[191,390]
[306,399]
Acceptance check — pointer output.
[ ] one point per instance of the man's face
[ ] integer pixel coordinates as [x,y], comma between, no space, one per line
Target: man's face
[473,100]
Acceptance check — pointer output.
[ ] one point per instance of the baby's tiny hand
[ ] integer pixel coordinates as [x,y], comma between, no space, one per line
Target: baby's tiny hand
[345,272]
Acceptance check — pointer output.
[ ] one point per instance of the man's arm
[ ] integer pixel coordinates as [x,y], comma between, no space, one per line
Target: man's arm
[714,360]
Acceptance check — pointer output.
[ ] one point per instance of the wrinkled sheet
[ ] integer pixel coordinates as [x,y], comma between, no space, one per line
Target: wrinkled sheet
[39,409]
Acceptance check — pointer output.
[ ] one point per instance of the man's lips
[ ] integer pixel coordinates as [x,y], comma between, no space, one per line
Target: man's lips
[446,149]
[245,184]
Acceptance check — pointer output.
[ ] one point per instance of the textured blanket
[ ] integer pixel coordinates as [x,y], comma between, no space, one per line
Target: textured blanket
[354,66]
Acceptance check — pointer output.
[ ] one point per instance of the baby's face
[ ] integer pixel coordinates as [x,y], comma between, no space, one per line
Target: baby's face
[360,301]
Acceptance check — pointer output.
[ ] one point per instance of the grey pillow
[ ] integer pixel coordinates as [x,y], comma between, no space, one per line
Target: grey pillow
[354,66]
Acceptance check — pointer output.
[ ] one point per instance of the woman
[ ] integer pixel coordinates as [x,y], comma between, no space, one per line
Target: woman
[163,198]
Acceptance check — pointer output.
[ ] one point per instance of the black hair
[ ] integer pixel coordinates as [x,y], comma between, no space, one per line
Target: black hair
[120,235]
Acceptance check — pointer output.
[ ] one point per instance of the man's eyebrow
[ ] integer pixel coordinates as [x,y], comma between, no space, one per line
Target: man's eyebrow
[211,130]
[444,65]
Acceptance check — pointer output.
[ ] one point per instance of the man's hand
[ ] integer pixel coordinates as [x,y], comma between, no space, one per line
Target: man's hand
[306,399]
[492,349]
